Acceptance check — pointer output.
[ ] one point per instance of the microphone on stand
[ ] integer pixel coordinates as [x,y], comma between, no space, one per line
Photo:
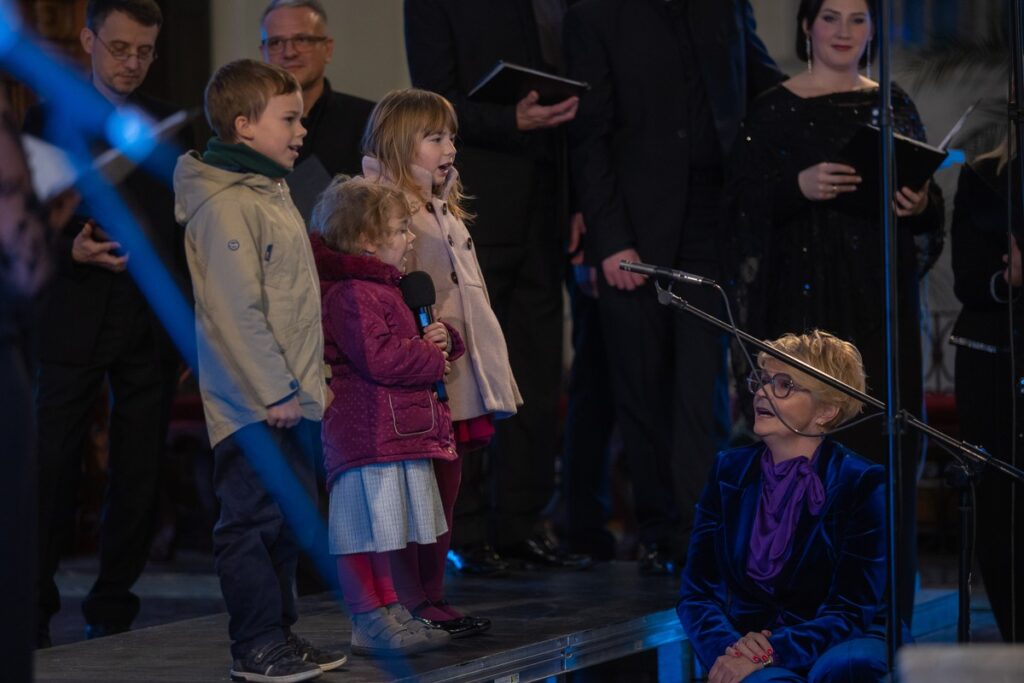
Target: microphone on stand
[418,292]
[665,273]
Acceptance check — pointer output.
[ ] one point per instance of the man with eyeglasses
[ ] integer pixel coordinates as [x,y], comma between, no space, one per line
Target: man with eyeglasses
[295,38]
[95,327]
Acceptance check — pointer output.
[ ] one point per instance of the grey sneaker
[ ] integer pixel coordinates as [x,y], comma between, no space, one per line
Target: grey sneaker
[273,663]
[377,634]
[438,637]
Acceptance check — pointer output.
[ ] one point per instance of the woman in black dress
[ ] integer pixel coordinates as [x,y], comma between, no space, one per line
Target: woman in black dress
[987,275]
[810,261]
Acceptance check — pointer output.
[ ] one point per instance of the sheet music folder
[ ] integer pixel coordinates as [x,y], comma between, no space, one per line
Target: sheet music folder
[915,163]
[54,173]
[508,83]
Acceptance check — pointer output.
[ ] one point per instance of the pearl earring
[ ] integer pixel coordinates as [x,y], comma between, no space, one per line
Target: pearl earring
[807,42]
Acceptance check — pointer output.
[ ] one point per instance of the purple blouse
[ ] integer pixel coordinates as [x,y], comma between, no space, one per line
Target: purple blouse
[784,488]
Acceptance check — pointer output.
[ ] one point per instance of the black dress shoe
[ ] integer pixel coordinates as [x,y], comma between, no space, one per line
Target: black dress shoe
[460,627]
[477,560]
[656,561]
[541,551]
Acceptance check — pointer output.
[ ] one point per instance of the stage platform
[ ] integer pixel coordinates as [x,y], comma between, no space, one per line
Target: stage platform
[545,624]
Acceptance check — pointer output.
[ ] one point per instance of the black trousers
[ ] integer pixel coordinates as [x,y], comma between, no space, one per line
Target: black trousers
[504,494]
[671,401]
[255,549]
[589,420]
[983,385]
[126,355]
[17,514]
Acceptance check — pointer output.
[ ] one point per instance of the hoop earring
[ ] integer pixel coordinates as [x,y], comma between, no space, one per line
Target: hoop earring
[868,55]
[807,42]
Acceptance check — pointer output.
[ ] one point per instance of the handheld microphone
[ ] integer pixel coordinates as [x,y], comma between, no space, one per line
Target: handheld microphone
[667,273]
[419,295]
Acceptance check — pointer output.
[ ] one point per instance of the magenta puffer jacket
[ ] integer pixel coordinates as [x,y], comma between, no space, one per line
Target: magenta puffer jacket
[382,372]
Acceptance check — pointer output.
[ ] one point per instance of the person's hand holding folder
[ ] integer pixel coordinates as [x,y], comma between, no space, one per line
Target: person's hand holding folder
[827,180]
[909,203]
[532,115]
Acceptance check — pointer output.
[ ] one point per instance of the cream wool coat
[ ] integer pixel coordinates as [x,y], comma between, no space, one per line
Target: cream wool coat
[481,382]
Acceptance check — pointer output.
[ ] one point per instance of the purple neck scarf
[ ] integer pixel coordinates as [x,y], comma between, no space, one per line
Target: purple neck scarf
[783,489]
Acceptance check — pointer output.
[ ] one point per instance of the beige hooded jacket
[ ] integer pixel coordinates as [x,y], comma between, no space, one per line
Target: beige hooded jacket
[257,295]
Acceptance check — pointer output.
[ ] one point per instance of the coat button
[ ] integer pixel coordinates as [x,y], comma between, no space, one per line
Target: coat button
[455,277]
[469,243]
[681,134]
[430,207]
[451,241]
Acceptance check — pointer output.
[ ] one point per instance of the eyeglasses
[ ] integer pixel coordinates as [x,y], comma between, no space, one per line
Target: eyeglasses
[301,43]
[122,51]
[782,384]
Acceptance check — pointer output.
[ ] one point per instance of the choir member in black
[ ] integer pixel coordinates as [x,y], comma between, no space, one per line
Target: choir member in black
[987,275]
[804,262]
[670,82]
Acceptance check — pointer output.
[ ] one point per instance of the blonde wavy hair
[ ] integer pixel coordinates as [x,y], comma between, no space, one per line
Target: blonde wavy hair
[831,355]
[395,130]
[352,210]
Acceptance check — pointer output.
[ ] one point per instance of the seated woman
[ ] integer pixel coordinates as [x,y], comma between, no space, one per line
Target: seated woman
[786,569]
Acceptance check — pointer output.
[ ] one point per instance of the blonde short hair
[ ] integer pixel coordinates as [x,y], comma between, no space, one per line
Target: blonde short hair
[243,87]
[395,130]
[831,355]
[352,210]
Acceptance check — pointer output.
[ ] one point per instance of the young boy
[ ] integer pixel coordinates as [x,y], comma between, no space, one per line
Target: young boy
[260,353]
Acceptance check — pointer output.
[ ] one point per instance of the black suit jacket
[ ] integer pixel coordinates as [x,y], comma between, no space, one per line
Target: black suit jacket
[451,45]
[629,142]
[336,124]
[75,302]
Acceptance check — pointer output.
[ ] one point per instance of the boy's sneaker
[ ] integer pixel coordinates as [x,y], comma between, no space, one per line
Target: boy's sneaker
[274,663]
[327,660]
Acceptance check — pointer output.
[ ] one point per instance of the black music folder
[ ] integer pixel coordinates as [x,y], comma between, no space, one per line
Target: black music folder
[915,163]
[508,83]
[305,183]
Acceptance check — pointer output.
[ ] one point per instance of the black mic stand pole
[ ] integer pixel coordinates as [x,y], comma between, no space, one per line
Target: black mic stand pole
[894,501]
[1015,200]
[977,455]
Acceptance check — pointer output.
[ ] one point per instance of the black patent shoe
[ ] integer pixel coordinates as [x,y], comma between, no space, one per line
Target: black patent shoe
[657,561]
[541,551]
[461,627]
[477,560]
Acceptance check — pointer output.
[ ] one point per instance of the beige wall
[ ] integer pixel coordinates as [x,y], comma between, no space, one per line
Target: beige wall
[369,49]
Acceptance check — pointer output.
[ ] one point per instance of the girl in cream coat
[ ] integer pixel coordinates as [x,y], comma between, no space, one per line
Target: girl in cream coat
[410,145]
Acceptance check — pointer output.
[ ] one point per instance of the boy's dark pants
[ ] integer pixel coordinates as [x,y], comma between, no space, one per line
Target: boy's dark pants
[255,549]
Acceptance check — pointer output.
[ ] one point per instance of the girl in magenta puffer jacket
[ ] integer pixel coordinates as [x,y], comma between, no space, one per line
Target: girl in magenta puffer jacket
[385,425]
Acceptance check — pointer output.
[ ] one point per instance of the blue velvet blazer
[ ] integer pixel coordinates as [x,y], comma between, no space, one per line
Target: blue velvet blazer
[831,588]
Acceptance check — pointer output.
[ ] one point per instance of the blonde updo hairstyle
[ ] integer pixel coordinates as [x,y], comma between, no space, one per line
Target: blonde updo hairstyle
[353,210]
[831,355]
